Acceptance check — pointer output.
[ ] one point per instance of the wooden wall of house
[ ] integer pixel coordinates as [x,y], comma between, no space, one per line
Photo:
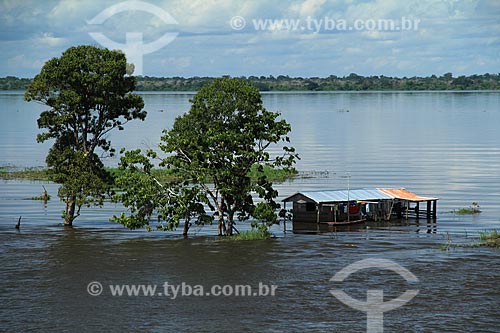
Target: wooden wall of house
[306,212]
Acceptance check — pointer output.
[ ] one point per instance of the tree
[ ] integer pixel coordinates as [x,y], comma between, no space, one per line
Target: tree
[213,149]
[89,95]
[227,132]
[144,196]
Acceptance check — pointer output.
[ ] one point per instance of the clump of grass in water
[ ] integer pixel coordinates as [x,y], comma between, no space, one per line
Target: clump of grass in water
[446,247]
[258,232]
[44,197]
[162,175]
[41,197]
[487,238]
[490,238]
[474,208]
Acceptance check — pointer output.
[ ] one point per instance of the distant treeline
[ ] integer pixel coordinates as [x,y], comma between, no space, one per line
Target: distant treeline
[14,83]
[351,82]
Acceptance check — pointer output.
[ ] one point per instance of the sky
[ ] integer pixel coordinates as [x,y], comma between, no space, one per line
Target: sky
[304,38]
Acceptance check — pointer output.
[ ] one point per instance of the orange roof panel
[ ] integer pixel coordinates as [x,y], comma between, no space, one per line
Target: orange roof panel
[404,194]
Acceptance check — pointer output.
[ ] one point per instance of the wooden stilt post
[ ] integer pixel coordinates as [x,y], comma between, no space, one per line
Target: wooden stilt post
[284,218]
[335,213]
[428,209]
[434,208]
[317,213]
[417,209]
[318,207]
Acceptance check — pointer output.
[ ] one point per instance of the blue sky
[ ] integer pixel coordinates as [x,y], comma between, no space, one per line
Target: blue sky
[462,37]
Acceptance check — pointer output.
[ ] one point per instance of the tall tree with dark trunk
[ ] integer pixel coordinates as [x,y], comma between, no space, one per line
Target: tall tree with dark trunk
[88,93]
[217,153]
[226,133]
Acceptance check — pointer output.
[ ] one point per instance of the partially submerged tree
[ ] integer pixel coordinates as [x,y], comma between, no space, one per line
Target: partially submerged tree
[213,148]
[145,196]
[89,94]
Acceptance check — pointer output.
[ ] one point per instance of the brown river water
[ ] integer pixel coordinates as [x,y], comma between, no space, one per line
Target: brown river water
[444,144]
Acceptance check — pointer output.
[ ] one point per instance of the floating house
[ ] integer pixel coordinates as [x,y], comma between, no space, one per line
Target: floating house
[320,210]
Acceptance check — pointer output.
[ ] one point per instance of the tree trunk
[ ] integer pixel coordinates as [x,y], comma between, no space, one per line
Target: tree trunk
[70,211]
[230,223]
[222,225]
[186,225]
[45,195]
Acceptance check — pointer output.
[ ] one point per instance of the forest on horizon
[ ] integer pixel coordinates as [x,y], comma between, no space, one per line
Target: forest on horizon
[352,82]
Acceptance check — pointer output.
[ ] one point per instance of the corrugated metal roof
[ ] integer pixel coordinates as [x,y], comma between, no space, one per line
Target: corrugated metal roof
[404,194]
[329,196]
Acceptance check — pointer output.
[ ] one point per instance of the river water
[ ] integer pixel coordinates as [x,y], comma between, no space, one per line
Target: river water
[443,144]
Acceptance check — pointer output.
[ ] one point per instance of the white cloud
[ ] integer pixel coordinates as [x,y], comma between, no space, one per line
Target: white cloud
[453,35]
[176,62]
[377,9]
[23,61]
[48,39]
[202,15]
[67,10]
[306,8]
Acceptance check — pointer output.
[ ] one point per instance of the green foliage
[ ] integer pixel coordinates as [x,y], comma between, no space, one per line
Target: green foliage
[489,234]
[333,83]
[254,234]
[286,83]
[27,173]
[144,196]
[88,95]
[41,198]
[487,238]
[490,238]
[161,174]
[271,173]
[217,156]
[474,208]
[224,135]
[14,83]
[265,213]
[83,179]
